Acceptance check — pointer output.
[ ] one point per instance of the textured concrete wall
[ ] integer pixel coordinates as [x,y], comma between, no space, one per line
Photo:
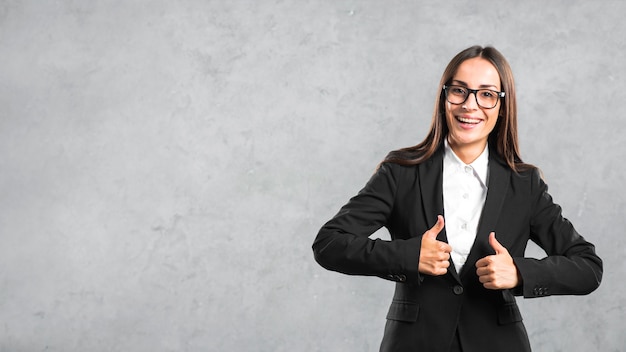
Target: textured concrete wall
[165,165]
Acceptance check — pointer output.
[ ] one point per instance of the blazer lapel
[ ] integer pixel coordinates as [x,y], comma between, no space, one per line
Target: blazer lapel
[431,187]
[498,184]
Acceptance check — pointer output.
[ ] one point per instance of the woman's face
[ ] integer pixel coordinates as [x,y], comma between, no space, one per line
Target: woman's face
[469,124]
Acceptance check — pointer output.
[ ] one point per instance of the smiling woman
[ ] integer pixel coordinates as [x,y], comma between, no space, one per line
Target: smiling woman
[455,281]
[504,139]
[470,123]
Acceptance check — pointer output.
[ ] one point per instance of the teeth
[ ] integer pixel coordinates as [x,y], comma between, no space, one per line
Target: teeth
[466,120]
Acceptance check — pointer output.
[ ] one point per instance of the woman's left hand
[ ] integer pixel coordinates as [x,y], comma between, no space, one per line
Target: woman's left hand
[497,272]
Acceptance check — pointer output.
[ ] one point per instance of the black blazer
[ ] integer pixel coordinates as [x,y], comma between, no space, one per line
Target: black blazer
[426,311]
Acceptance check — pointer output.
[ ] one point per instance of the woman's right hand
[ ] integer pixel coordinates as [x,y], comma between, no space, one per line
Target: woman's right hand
[434,255]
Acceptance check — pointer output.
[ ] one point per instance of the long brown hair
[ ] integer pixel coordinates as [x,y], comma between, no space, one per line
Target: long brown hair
[503,138]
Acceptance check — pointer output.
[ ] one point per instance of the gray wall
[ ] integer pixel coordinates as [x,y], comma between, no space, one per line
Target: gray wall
[165,165]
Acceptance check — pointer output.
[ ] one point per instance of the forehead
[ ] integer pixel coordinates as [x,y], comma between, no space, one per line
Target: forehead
[477,72]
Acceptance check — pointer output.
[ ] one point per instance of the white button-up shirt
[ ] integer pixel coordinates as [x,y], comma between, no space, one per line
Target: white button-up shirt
[464,194]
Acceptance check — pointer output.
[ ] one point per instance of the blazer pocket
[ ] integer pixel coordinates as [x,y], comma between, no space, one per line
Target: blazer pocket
[403,311]
[509,313]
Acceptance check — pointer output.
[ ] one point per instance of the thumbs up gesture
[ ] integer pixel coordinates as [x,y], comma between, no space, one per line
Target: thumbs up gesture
[434,255]
[497,271]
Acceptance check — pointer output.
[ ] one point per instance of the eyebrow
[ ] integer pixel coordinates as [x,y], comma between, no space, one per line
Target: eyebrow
[479,87]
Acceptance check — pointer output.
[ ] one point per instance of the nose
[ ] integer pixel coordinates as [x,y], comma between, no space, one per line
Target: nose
[471,104]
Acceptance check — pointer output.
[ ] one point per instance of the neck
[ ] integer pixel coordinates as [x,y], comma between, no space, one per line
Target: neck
[468,152]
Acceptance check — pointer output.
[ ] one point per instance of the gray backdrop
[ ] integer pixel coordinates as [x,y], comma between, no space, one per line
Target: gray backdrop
[165,165]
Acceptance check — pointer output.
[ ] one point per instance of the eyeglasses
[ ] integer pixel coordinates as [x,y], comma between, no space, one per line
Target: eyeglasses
[485,98]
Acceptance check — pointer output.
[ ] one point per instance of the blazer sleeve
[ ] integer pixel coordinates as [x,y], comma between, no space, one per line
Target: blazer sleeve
[343,243]
[571,265]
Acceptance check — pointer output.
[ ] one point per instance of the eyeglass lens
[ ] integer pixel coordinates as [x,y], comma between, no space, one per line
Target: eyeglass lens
[485,98]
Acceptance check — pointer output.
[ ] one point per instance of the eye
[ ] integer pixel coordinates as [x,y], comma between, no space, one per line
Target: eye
[456,90]
[488,94]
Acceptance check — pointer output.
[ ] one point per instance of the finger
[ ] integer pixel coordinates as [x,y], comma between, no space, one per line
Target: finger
[482,262]
[440,271]
[483,271]
[484,279]
[493,242]
[434,231]
[443,256]
[444,247]
[442,268]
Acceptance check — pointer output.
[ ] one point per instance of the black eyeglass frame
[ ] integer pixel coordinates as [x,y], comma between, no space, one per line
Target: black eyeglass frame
[500,95]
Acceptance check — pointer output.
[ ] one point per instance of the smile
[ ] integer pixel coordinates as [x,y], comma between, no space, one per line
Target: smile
[469,120]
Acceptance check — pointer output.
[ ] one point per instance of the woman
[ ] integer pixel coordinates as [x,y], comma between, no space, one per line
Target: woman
[460,208]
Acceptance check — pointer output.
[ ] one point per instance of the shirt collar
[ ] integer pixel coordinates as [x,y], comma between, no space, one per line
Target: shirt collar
[480,165]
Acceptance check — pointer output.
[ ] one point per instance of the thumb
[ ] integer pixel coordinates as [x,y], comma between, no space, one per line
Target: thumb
[434,231]
[493,242]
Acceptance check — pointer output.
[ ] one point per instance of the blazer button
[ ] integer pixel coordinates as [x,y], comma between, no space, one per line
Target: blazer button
[401,278]
[457,289]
